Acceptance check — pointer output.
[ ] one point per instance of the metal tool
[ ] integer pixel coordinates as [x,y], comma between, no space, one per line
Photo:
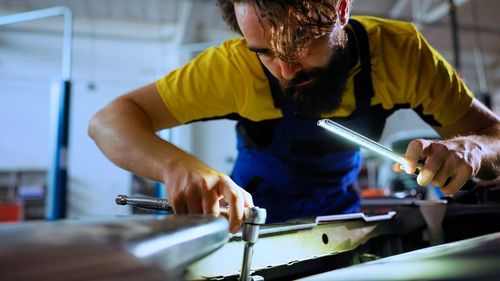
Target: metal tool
[253,218]
[380,149]
[149,203]
[364,141]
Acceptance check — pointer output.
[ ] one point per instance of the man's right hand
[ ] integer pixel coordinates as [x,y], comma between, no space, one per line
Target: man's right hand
[195,188]
[125,130]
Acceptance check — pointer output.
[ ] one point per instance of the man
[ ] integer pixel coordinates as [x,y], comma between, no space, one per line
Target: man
[299,61]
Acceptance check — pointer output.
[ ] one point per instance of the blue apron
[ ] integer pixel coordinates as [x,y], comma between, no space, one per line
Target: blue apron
[294,168]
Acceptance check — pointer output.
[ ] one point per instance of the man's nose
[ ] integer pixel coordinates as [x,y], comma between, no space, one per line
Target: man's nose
[289,70]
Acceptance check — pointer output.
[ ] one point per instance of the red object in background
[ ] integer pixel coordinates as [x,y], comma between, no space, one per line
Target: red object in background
[10,212]
[374,192]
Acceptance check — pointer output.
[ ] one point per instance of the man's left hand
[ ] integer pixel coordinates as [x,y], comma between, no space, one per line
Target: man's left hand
[448,163]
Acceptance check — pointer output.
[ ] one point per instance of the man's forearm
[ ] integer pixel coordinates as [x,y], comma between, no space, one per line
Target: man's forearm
[482,149]
[489,140]
[125,135]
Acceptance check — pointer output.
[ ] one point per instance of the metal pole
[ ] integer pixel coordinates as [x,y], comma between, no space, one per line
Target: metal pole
[479,58]
[48,13]
[57,189]
[56,201]
[454,34]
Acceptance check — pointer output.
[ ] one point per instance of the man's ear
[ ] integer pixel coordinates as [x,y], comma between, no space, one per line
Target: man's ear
[344,9]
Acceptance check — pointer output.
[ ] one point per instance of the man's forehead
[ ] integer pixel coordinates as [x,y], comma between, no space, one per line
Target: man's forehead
[241,10]
[250,24]
[246,15]
[282,29]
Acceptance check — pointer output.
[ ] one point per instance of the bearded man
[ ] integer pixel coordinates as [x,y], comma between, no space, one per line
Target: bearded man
[298,61]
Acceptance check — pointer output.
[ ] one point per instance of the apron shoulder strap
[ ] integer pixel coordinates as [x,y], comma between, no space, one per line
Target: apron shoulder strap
[363,81]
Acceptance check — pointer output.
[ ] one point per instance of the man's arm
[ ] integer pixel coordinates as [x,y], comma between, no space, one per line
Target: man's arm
[471,148]
[125,130]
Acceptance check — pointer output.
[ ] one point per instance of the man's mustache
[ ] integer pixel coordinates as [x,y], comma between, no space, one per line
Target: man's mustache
[303,76]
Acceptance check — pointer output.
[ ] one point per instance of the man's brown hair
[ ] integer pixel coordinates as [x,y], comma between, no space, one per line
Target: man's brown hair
[292,24]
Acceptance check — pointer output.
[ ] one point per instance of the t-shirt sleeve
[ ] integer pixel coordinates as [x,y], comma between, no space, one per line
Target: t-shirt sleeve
[440,96]
[204,87]
[408,73]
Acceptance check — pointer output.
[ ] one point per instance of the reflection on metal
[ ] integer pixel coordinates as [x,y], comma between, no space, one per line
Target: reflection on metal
[433,213]
[60,110]
[282,245]
[128,248]
[193,242]
[471,259]
[379,217]
[280,229]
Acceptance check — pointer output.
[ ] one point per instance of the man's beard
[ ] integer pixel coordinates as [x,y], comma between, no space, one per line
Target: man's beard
[323,91]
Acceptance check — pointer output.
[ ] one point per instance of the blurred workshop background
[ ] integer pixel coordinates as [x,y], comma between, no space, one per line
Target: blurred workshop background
[119,45]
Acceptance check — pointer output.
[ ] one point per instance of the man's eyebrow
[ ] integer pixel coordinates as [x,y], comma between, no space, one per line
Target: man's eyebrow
[259,50]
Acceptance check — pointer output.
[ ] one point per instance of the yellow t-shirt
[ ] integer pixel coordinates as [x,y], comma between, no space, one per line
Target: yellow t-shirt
[406,72]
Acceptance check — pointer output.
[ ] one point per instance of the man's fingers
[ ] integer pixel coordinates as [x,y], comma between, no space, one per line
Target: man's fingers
[210,204]
[179,204]
[414,152]
[205,199]
[248,201]
[194,205]
[437,155]
[461,175]
[456,182]
[235,200]
[396,168]
[225,213]
[444,174]
[443,167]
